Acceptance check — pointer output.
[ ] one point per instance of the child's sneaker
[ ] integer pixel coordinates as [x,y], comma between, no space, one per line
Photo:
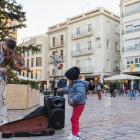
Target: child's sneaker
[73,137]
[79,134]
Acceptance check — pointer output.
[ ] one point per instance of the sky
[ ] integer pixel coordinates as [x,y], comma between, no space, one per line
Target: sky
[41,14]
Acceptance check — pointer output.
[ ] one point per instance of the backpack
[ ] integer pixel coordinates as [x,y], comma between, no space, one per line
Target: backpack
[39,110]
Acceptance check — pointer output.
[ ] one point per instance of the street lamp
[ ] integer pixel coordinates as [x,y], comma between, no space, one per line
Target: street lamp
[55,60]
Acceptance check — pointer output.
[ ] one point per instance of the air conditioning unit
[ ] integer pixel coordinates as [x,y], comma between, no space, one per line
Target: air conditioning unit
[99,45]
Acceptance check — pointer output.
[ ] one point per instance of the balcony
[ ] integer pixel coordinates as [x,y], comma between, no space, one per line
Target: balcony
[130,31]
[83,33]
[62,57]
[130,48]
[84,51]
[128,66]
[87,69]
[134,11]
[57,44]
[58,73]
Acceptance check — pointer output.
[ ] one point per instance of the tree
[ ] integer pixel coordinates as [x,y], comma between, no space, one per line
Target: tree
[11,17]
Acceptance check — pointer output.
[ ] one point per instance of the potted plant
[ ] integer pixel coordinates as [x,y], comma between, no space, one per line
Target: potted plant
[47,92]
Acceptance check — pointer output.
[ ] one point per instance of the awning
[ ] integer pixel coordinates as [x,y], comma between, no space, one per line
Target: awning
[121,77]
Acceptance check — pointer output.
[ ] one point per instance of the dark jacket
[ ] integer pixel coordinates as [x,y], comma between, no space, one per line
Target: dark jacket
[77,91]
[62,83]
[101,85]
[53,84]
[113,86]
[91,87]
[134,86]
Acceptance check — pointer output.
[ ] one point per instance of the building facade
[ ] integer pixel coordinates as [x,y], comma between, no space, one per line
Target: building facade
[93,43]
[37,61]
[130,36]
[57,41]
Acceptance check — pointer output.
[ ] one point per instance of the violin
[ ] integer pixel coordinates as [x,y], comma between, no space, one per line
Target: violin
[11,54]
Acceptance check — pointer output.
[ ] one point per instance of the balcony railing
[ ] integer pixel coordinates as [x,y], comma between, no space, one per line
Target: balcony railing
[82,51]
[82,33]
[58,73]
[134,11]
[87,69]
[57,44]
[130,48]
[128,66]
[131,30]
[62,56]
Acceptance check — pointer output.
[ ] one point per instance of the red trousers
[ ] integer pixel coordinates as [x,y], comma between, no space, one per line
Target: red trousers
[99,92]
[77,111]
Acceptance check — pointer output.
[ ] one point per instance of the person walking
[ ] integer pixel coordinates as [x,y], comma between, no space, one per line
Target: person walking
[91,89]
[62,83]
[76,98]
[99,87]
[132,87]
[55,85]
[112,88]
[7,46]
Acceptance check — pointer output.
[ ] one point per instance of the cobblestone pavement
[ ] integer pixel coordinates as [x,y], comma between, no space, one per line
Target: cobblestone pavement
[107,119]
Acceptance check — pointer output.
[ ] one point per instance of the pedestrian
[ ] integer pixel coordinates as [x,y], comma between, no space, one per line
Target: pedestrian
[55,85]
[41,89]
[76,98]
[62,83]
[99,87]
[91,89]
[132,87]
[113,89]
[8,47]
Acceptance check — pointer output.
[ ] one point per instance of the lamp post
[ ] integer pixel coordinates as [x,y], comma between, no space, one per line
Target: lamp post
[55,60]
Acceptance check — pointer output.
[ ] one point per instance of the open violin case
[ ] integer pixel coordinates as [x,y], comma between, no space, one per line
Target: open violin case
[33,126]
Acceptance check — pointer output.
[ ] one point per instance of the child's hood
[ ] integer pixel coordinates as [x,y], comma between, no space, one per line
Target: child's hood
[82,81]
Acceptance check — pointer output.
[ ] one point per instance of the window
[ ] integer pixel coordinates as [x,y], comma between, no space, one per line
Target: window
[132,9]
[107,27]
[135,61]
[78,48]
[89,45]
[78,64]
[38,74]
[27,62]
[129,44]
[89,27]
[61,40]
[116,28]
[89,65]
[27,74]
[39,61]
[108,43]
[27,53]
[117,64]
[137,43]
[61,53]
[53,42]
[116,46]
[32,53]
[133,44]
[78,31]
[24,54]
[32,62]
[32,75]
[40,49]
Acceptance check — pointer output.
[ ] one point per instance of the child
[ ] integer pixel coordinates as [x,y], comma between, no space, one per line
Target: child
[76,99]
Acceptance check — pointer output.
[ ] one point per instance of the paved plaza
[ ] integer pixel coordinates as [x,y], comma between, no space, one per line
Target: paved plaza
[107,119]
